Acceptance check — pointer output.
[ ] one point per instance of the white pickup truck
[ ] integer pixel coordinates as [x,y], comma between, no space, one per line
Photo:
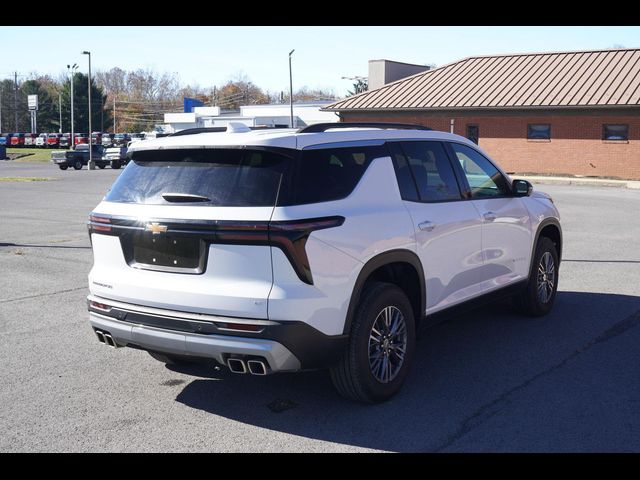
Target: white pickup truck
[117,156]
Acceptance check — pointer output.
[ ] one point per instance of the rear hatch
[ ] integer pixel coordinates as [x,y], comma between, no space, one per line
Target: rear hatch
[187,230]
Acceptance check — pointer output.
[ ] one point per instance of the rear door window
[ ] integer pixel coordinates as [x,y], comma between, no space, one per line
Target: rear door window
[432,171]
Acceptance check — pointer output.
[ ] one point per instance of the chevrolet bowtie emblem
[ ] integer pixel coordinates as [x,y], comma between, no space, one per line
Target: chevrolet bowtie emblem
[155,228]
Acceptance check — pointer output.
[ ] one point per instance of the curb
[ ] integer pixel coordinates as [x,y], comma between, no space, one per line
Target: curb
[592,182]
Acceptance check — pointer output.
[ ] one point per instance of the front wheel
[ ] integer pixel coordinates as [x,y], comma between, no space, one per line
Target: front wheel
[381,346]
[77,165]
[63,167]
[540,293]
[115,164]
[101,166]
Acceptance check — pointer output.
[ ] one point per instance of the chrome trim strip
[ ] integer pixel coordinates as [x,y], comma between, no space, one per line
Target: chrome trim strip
[192,317]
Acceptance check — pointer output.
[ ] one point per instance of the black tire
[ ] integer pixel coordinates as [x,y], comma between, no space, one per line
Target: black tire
[115,165]
[101,166]
[352,375]
[530,301]
[63,167]
[169,359]
[77,165]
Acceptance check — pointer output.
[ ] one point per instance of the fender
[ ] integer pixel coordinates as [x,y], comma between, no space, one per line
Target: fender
[386,258]
[544,223]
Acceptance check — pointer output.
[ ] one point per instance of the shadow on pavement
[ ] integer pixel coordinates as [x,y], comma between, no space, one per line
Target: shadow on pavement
[461,366]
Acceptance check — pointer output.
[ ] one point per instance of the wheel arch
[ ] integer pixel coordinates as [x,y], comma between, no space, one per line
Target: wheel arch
[550,228]
[400,267]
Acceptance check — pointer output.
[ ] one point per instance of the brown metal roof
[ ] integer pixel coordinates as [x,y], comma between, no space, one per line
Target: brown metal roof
[562,79]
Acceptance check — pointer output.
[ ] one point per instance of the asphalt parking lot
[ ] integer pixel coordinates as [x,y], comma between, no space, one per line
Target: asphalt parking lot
[487,380]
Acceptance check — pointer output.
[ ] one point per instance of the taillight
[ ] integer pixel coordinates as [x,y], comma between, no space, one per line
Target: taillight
[98,223]
[291,237]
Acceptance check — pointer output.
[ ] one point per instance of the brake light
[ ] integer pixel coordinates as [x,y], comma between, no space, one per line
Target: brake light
[98,223]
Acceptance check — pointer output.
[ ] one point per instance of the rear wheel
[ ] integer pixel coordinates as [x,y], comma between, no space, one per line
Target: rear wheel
[77,165]
[101,166]
[381,346]
[115,164]
[540,293]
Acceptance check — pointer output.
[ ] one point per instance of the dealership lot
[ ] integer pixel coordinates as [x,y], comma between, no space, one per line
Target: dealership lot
[487,380]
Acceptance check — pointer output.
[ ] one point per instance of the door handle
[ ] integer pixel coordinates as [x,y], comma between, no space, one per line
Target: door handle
[489,216]
[427,226]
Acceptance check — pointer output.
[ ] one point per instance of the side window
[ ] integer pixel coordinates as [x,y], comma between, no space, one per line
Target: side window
[484,179]
[432,171]
[403,173]
[329,174]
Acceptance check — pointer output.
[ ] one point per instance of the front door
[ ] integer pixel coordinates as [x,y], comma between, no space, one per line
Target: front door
[447,228]
[506,231]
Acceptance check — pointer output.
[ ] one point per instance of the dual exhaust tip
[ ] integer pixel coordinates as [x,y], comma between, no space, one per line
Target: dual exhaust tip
[254,367]
[106,338]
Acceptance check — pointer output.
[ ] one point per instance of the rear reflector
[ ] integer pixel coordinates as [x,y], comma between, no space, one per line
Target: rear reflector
[243,327]
[99,306]
[99,224]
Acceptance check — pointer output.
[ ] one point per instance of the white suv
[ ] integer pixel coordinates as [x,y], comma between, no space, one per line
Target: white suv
[326,247]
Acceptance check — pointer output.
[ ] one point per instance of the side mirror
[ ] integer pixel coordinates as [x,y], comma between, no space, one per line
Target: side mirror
[521,188]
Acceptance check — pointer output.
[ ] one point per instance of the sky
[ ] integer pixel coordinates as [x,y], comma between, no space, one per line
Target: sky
[209,56]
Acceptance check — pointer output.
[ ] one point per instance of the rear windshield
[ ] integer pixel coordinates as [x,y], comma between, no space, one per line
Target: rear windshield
[243,177]
[221,177]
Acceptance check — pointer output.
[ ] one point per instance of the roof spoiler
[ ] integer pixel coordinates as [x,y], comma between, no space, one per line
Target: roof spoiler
[323,127]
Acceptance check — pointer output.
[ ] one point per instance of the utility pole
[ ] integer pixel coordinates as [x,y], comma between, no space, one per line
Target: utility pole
[15,101]
[1,107]
[60,111]
[91,165]
[114,114]
[101,113]
[291,87]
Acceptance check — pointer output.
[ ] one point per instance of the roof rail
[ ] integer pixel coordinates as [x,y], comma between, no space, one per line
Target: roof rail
[323,127]
[193,131]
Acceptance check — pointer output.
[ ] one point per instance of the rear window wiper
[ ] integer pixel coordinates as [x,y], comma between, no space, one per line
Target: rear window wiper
[184,197]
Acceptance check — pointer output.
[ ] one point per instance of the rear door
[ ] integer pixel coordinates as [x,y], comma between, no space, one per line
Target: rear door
[187,230]
[447,227]
[506,226]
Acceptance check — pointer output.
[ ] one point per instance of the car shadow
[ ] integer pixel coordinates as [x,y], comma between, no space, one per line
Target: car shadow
[461,366]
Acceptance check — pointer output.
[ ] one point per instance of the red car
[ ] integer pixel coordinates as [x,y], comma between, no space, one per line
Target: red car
[17,140]
[81,138]
[53,140]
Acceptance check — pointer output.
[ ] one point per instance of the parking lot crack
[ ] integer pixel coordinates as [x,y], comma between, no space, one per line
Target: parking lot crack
[42,295]
[493,407]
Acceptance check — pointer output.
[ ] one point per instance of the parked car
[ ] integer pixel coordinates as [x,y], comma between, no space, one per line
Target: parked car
[319,248]
[65,140]
[53,140]
[41,140]
[30,139]
[17,139]
[5,139]
[79,157]
[116,156]
[121,139]
[96,138]
[81,138]
[107,139]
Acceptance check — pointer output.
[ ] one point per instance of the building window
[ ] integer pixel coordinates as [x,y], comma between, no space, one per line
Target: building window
[473,133]
[615,132]
[539,131]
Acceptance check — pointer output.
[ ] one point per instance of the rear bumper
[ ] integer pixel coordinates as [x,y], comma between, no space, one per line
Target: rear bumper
[286,346]
[217,347]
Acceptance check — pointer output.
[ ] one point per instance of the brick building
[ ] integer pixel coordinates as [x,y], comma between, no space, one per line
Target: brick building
[572,113]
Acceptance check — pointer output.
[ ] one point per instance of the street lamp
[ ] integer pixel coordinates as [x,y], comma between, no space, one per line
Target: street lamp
[91,165]
[291,88]
[72,69]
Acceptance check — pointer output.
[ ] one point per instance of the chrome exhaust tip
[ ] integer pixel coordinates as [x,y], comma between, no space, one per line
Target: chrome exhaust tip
[100,336]
[108,339]
[257,367]
[237,365]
